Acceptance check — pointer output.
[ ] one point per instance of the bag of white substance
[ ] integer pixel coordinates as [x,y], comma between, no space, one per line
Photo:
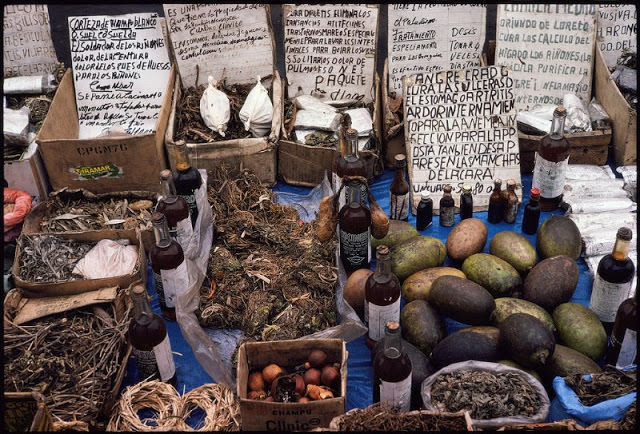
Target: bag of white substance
[108,258]
[588,172]
[577,116]
[15,126]
[630,176]
[603,189]
[257,111]
[579,205]
[590,222]
[308,102]
[601,242]
[215,108]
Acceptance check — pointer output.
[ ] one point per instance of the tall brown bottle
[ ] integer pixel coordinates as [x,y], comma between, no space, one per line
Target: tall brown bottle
[381,297]
[392,371]
[350,165]
[168,265]
[495,202]
[187,179]
[551,163]
[174,208]
[354,223]
[150,342]
[399,191]
[623,346]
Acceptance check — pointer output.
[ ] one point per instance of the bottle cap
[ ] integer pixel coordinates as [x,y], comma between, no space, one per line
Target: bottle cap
[424,194]
[466,188]
[393,325]
[497,181]
[511,182]
[138,289]
[447,188]
[560,111]
[165,174]
[535,192]
[624,233]
[382,250]
[352,132]
[157,217]
[400,158]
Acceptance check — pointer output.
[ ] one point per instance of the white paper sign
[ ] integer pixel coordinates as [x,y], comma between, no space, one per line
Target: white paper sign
[549,48]
[230,40]
[461,129]
[120,70]
[27,49]
[330,50]
[617,31]
[433,37]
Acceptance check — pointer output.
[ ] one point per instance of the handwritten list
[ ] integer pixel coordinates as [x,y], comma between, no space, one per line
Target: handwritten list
[549,48]
[121,69]
[27,45]
[617,31]
[433,37]
[224,40]
[330,50]
[461,129]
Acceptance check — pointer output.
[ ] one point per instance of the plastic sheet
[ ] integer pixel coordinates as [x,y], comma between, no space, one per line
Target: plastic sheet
[597,113]
[306,204]
[15,126]
[577,115]
[588,172]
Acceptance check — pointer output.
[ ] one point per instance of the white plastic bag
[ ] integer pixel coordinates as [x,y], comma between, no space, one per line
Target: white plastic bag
[257,111]
[215,108]
[16,126]
[577,115]
[108,258]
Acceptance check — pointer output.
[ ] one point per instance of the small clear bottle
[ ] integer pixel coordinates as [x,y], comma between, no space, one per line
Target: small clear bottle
[382,292]
[447,207]
[510,202]
[399,191]
[392,371]
[531,216]
[424,215]
[466,202]
[495,202]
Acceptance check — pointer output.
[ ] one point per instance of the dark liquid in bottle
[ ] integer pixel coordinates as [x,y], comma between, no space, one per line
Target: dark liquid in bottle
[424,214]
[389,369]
[615,271]
[187,182]
[531,218]
[145,336]
[355,219]
[553,150]
[466,207]
[166,258]
[381,291]
[175,209]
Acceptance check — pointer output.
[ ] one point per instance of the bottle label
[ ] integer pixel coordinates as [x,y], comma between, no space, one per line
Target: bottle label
[146,364]
[377,317]
[549,176]
[398,206]
[184,232]
[174,280]
[157,279]
[193,206]
[397,395]
[606,297]
[164,359]
[355,248]
[446,216]
[628,349]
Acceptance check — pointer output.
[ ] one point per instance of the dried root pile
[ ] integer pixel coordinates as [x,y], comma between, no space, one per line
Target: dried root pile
[268,275]
[609,384]
[48,258]
[71,358]
[377,417]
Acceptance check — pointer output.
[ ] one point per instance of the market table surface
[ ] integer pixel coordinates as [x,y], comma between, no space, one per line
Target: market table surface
[360,371]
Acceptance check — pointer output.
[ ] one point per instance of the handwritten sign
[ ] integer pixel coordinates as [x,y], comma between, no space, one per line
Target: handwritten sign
[120,70]
[461,129]
[28,49]
[330,50]
[433,37]
[549,48]
[224,40]
[617,31]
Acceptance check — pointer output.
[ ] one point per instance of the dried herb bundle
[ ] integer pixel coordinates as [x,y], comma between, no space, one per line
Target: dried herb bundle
[78,214]
[609,384]
[378,417]
[484,394]
[71,358]
[48,258]
[269,276]
[190,126]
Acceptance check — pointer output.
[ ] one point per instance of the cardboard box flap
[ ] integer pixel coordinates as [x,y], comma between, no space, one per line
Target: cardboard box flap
[234,41]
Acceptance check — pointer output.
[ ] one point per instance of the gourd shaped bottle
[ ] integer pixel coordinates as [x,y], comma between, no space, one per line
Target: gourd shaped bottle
[350,165]
[495,202]
[149,340]
[551,163]
[186,179]
[392,371]
[354,228]
[174,208]
[381,296]
[399,191]
[466,203]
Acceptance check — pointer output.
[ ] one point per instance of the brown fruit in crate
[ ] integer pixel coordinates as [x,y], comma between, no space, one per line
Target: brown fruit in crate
[255,381]
[312,376]
[330,375]
[257,394]
[353,292]
[271,372]
[303,400]
[317,358]
[318,392]
[300,386]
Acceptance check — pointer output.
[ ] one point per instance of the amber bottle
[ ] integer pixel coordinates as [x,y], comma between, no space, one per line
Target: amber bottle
[354,222]
[168,265]
[381,296]
[551,162]
[399,191]
[510,202]
[187,179]
[495,202]
[466,202]
[531,216]
[174,208]
[392,371]
[150,342]
[447,207]
[623,350]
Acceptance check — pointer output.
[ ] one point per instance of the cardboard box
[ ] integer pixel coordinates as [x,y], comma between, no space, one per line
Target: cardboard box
[32,289]
[280,416]
[28,173]
[623,117]
[122,163]
[25,411]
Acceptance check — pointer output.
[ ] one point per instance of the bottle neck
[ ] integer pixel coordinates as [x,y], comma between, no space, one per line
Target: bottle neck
[399,173]
[182,159]
[354,194]
[352,147]
[446,195]
[534,200]
[392,344]
[168,190]
[141,308]
[383,265]
[557,127]
[620,249]
[161,233]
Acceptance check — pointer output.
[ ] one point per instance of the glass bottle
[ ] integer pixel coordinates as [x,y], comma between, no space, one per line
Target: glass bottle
[446,207]
[551,162]
[509,202]
[623,350]
[424,211]
[399,191]
[187,179]
[174,208]
[381,296]
[350,165]
[466,202]
[150,342]
[532,213]
[392,371]
[168,265]
[495,202]
[612,281]
[354,222]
